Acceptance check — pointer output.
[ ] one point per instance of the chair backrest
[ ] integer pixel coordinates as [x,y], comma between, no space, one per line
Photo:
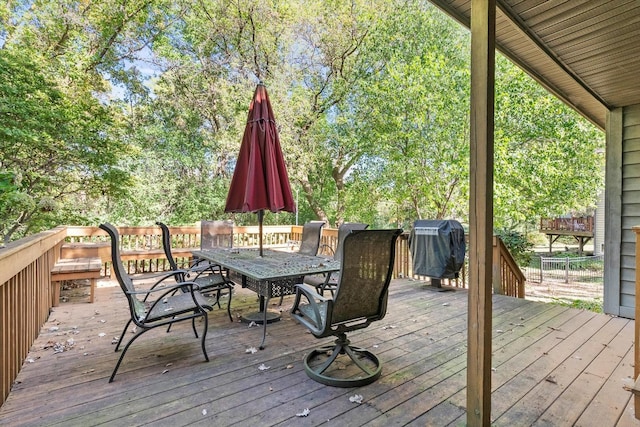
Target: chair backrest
[343,231]
[116,262]
[366,267]
[216,234]
[166,245]
[136,307]
[310,242]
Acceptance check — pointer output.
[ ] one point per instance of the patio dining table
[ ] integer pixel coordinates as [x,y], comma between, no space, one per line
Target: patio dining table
[272,275]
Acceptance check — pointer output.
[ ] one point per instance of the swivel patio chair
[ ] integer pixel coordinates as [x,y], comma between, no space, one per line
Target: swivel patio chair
[360,298]
[210,278]
[321,282]
[158,306]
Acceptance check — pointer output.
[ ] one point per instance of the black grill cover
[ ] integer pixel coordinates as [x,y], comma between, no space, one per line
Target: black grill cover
[437,248]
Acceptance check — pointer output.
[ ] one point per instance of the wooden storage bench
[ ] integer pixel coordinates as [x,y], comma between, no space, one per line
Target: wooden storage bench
[74,269]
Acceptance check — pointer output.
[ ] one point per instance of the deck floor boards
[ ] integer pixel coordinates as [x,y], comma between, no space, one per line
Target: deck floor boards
[552,366]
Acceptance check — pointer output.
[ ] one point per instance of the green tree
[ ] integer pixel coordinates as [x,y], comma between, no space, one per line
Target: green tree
[54,148]
[548,159]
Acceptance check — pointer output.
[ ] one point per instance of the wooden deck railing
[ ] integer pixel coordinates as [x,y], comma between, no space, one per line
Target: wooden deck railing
[25,267]
[573,224]
[25,298]
[508,279]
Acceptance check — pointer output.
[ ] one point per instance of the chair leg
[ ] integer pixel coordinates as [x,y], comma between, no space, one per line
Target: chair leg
[193,326]
[126,347]
[124,331]
[204,335]
[229,303]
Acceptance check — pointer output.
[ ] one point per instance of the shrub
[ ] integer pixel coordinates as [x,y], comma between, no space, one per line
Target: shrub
[518,244]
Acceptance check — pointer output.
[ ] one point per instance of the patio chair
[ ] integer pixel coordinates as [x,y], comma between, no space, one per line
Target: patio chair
[310,241]
[216,234]
[360,298]
[167,308]
[321,282]
[209,277]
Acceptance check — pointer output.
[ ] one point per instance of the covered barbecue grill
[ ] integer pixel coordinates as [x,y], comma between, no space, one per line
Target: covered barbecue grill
[437,248]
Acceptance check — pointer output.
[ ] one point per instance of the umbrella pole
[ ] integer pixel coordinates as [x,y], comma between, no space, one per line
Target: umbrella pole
[260,218]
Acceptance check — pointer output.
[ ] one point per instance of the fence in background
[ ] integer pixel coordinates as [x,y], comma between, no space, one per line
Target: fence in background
[587,269]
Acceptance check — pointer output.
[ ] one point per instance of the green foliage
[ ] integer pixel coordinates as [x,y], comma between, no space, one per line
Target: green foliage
[518,244]
[54,148]
[590,305]
[538,141]
[371,99]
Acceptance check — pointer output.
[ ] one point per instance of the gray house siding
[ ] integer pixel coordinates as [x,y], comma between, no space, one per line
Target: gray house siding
[623,196]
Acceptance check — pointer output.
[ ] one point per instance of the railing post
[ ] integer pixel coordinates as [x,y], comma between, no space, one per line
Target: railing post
[566,270]
[497,268]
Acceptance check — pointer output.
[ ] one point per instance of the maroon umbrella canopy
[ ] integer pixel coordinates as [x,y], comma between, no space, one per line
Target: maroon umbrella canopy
[260,181]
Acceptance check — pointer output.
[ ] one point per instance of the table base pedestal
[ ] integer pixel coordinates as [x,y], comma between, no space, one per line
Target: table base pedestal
[258,317]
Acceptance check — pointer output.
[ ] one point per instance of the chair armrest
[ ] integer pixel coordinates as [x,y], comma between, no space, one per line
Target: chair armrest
[150,276]
[204,270]
[311,293]
[174,273]
[326,247]
[312,296]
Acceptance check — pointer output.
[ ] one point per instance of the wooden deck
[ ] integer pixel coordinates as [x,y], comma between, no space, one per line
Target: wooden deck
[552,366]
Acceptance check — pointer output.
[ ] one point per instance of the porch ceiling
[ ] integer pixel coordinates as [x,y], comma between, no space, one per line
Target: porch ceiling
[586,52]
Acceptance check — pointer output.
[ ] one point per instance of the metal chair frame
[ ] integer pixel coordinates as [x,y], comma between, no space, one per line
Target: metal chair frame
[167,308]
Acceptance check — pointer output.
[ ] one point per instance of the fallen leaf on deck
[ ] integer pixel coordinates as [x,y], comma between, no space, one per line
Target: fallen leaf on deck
[263,367]
[101,334]
[551,380]
[165,371]
[204,412]
[251,350]
[303,413]
[356,398]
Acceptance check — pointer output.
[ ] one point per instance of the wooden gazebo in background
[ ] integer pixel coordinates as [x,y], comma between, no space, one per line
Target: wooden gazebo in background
[586,53]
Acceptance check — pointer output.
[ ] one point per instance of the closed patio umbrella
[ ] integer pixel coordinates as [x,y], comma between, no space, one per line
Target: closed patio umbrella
[260,181]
